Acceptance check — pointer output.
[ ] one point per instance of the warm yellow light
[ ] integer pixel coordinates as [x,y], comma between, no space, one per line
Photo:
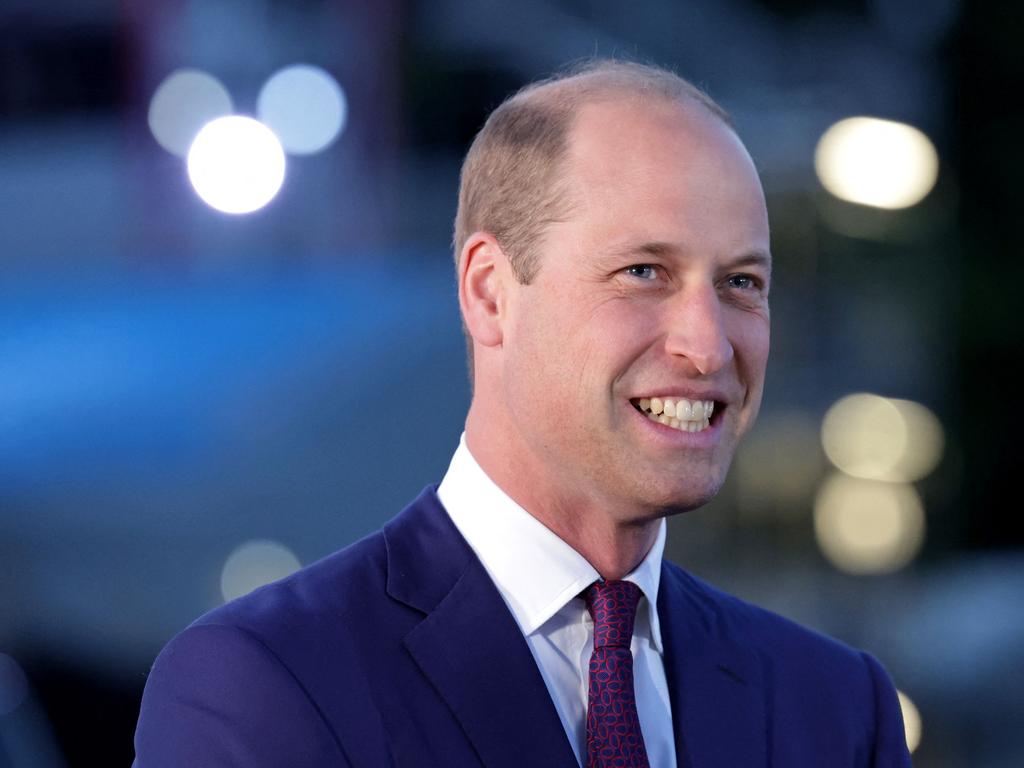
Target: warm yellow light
[880,438]
[876,162]
[925,441]
[864,435]
[911,721]
[866,526]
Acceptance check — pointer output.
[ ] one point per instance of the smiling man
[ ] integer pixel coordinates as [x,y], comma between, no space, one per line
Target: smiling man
[613,266]
[649,287]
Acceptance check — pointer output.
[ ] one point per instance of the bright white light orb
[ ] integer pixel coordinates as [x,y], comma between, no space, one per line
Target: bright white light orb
[236,164]
[881,438]
[304,106]
[866,526]
[876,162]
[911,721]
[254,564]
[184,102]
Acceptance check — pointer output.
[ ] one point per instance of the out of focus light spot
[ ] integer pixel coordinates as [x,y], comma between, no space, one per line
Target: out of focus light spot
[236,164]
[254,564]
[881,438]
[875,162]
[13,685]
[304,106]
[184,102]
[911,721]
[866,526]
[864,435]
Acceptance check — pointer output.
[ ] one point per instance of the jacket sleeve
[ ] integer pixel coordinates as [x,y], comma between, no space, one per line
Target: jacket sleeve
[216,697]
[890,749]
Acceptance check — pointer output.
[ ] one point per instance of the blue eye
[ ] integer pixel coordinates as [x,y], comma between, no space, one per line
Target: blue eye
[743,282]
[643,271]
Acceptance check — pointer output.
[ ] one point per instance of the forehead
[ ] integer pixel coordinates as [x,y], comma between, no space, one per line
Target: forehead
[664,171]
[630,123]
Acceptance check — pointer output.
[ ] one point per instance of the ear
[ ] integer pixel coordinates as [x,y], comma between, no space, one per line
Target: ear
[482,270]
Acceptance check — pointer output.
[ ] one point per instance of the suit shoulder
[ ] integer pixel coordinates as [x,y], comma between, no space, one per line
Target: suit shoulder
[807,675]
[217,696]
[285,647]
[767,632]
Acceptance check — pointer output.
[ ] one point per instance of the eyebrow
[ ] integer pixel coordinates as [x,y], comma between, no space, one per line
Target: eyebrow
[754,258]
[661,249]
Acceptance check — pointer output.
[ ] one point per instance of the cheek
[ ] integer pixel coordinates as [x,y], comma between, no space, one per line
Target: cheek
[540,350]
[572,342]
[750,337]
[611,337]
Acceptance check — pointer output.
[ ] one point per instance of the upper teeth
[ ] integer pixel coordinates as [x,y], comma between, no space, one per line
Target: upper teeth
[684,415]
[682,409]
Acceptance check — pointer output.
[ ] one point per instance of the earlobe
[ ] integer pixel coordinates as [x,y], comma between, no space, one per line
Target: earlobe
[480,288]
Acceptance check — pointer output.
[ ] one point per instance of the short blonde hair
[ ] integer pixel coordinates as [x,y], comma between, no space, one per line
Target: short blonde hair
[511,185]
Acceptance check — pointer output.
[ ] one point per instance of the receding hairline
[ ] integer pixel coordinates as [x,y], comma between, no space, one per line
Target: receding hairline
[561,97]
[511,184]
[614,80]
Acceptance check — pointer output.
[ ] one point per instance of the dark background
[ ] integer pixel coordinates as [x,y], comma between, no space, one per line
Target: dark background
[175,382]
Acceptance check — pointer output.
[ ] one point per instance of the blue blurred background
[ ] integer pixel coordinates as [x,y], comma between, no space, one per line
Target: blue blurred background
[193,402]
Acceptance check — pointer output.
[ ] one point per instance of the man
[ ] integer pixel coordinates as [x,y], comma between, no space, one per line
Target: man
[613,268]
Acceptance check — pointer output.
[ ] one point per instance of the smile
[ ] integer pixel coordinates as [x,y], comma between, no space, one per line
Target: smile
[678,413]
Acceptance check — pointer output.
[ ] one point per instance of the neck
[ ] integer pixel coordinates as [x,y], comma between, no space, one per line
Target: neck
[612,538]
[614,549]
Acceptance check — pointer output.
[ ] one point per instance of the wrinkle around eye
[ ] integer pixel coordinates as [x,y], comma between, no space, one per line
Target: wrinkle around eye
[754,300]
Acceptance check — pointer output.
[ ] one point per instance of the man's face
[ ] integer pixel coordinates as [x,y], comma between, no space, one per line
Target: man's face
[655,287]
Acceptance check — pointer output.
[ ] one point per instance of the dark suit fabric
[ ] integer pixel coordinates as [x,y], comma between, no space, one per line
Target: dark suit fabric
[399,651]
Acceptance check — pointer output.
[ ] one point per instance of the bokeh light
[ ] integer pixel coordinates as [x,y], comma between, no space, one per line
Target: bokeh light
[867,526]
[13,685]
[184,102]
[254,564]
[880,438]
[236,164]
[304,106]
[911,721]
[876,162]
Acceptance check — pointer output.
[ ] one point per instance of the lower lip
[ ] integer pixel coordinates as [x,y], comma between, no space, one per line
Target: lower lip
[704,438]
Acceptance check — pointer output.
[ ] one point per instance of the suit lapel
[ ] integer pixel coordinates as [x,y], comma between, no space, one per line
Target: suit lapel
[715,683]
[469,645]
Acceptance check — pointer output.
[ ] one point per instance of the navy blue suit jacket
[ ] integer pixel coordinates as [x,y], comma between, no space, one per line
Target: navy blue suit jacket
[399,651]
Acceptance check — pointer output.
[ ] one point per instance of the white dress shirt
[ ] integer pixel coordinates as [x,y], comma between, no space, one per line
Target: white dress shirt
[540,578]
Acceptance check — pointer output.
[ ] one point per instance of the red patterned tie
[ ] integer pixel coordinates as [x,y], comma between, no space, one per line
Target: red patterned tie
[614,739]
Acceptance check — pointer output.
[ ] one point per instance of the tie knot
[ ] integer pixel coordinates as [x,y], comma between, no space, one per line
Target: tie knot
[612,605]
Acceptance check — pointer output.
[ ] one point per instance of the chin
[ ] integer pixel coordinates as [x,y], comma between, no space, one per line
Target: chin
[691,502]
[679,499]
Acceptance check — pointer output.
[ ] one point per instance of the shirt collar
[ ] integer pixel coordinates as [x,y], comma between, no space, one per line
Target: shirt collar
[536,572]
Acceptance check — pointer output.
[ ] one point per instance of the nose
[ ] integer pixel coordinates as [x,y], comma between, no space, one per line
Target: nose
[697,330]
